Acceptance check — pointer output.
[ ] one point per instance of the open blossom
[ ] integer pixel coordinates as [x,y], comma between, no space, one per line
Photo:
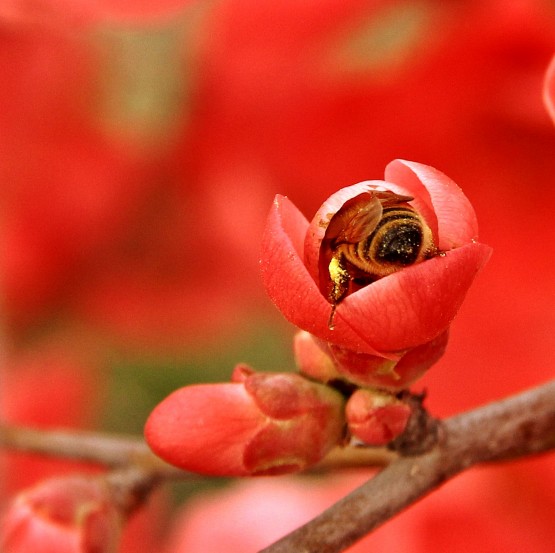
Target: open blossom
[406,311]
[261,423]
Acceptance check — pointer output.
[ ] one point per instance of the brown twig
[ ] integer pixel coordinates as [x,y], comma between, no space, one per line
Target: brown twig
[110,450]
[130,486]
[520,425]
[116,450]
[136,471]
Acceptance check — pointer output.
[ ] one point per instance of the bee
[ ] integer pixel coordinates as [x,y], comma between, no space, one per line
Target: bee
[371,236]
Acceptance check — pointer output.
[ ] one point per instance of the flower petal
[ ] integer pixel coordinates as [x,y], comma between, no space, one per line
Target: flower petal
[204,428]
[457,224]
[367,370]
[549,89]
[284,396]
[291,287]
[413,306]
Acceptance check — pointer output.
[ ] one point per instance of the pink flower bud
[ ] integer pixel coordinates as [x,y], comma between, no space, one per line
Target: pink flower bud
[375,417]
[381,312]
[62,515]
[261,423]
[549,90]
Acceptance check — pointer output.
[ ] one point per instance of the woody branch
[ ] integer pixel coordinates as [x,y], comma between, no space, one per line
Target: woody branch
[520,425]
[514,427]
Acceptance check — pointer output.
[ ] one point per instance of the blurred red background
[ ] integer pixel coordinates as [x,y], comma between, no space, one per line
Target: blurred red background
[140,150]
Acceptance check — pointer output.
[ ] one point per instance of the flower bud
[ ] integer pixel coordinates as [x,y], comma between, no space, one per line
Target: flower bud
[375,417]
[62,515]
[262,423]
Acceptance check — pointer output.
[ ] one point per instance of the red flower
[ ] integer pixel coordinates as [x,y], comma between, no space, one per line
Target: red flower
[49,386]
[401,311]
[259,424]
[66,515]
[549,89]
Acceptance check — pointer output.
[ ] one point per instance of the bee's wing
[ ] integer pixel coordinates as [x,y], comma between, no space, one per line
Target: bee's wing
[390,198]
[355,220]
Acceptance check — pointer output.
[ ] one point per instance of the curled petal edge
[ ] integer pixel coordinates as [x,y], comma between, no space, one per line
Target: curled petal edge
[292,288]
[549,90]
[456,219]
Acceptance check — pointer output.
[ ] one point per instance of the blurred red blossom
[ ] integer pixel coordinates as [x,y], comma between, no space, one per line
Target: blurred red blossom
[384,320]
[250,514]
[262,423]
[49,386]
[348,99]
[74,514]
[96,228]
[68,188]
[89,12]
[145,528]
[253,514]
